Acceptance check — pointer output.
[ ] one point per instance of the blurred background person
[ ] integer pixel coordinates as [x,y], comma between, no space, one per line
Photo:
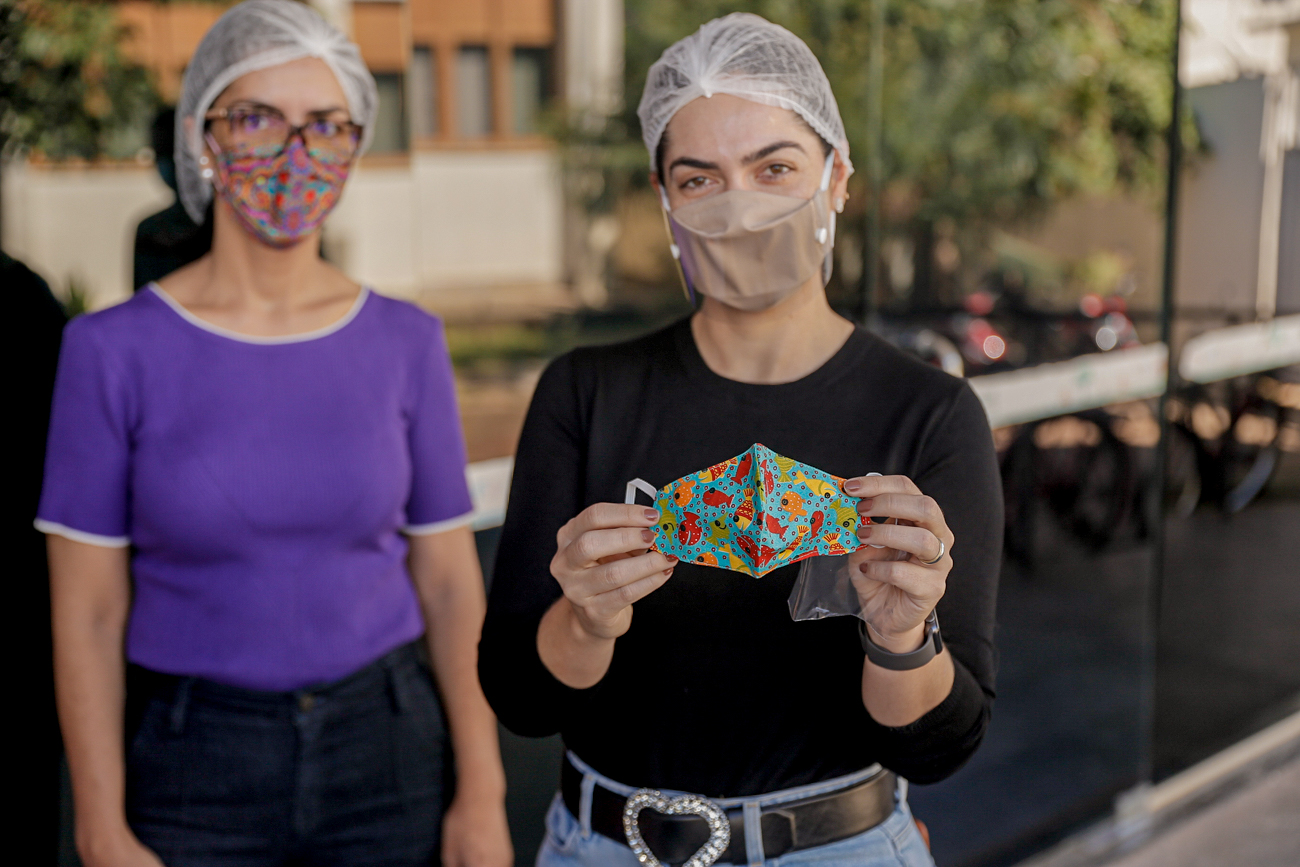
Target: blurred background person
[255,488]
[38,319]
[677,675]
[169,239]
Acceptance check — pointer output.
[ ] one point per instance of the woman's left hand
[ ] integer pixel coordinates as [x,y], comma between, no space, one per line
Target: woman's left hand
[475,833]
[896,583]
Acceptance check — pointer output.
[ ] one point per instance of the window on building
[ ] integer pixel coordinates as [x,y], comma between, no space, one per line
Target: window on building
[473,92]
[422,92]
[390,120]
[530,87]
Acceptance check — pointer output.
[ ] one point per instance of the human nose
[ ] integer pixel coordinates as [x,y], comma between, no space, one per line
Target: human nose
[736,178]
[294,132]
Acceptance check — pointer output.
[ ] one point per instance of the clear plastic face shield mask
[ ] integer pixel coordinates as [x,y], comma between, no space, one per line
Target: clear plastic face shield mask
[750,249]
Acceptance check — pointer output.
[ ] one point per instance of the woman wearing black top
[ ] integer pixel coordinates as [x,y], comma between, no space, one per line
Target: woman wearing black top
[692,679]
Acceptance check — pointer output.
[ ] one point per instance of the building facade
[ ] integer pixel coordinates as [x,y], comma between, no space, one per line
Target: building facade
[1240,65]
[459,202]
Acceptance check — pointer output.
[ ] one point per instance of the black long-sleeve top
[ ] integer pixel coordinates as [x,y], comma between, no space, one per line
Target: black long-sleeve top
[714,689]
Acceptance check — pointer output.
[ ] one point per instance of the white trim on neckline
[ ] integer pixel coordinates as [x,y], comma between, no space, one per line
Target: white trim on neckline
[240,337]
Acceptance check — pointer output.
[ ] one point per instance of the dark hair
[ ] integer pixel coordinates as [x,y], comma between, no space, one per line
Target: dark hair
[660,148]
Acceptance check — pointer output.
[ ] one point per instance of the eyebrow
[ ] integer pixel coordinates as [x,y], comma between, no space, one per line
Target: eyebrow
[745,160]
[252,103]
[769,150]
[692,163]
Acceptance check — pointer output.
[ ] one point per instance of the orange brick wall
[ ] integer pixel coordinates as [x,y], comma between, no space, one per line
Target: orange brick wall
[379,30]
[163,36]
[518,22]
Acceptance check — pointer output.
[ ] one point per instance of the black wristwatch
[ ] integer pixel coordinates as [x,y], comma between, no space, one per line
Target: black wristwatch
[929,649]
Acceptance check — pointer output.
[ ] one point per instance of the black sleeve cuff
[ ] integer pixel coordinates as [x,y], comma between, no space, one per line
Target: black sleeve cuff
[527,698]
[940,742]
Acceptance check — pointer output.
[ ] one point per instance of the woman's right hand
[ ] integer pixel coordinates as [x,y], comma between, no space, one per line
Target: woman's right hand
[603,565]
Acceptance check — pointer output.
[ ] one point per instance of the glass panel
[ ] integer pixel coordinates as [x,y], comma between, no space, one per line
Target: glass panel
[529,88]
[390,120]
[1288,265]
[473,92]
[1227,661]
[422,92]
[995,247]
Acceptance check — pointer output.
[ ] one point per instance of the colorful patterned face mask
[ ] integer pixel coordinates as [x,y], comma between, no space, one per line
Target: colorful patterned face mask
[280,194]
[754,513]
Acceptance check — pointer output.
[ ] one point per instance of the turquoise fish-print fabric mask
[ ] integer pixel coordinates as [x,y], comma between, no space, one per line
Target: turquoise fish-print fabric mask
[757,512]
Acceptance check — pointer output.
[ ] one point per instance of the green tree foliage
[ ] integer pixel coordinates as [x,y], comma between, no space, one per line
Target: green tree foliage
[65,88]
[992,109]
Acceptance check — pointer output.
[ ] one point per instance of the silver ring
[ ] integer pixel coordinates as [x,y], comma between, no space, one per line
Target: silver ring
[942,550]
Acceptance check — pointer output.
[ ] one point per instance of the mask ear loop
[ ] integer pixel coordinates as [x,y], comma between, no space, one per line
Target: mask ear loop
[687,289]
[217,162]
[641,485]
[827,233]
[826,172]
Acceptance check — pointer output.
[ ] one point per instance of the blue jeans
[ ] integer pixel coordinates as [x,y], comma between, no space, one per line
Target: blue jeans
[348,774]
[896,842]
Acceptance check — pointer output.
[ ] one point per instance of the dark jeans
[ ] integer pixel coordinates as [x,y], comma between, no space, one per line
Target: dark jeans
[348,773]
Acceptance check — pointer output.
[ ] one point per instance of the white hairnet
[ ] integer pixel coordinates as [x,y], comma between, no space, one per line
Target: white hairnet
[251,36]
[745,56]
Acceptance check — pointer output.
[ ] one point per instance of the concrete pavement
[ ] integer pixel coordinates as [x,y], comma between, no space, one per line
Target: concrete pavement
[1258,826]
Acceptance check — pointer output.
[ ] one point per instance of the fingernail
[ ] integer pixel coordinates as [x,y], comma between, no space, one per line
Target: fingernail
[652,514]
[864,531]
[864,567]
[647,536]
[852,485]
[672,559]
[668,572]
[865,505]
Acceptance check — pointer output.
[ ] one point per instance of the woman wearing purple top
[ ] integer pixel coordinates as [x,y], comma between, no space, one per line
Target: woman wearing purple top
[256,508]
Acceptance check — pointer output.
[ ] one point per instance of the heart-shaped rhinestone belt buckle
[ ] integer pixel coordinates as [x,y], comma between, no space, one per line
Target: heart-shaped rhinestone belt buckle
[682,805]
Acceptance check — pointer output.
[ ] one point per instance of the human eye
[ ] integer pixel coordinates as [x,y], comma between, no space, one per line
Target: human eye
[252,121]
[325,127]
[694,182]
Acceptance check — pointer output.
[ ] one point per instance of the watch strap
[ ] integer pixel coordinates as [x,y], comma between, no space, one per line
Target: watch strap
[931,647]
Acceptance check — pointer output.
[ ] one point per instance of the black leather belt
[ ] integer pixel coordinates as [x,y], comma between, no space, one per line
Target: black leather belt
[802,824]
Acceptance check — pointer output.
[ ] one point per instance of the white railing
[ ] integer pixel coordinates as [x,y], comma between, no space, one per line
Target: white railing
[1088,381]
[489,487]
[1241,349]
[1044,391]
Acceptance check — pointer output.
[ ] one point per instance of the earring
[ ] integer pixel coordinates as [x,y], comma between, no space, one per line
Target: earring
[839,206]
[203,160]
[207,173]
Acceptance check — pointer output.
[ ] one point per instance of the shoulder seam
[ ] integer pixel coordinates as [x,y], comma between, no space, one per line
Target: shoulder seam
[944,417]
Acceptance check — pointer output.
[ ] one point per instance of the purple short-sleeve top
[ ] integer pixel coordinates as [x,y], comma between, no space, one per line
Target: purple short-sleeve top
[265,484]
